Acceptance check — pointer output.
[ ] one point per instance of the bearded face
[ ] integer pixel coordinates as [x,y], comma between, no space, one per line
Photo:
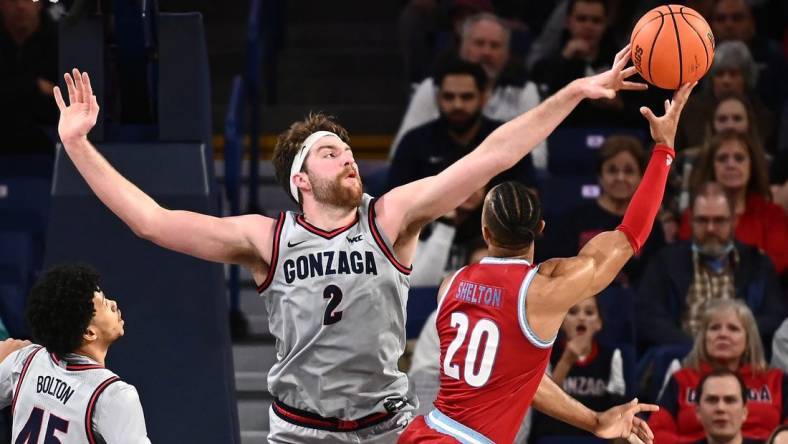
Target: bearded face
[343,191]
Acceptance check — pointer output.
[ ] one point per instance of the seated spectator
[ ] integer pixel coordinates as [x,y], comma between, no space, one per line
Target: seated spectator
[779,435]
[586,49]
[620,163]
[779,179]
[727,338]
[591,372]
[430,148]
[684,276]
[733,72]
[738,164]
[721,407]
[485,40]
[28,72]
[733,20]
[733,112]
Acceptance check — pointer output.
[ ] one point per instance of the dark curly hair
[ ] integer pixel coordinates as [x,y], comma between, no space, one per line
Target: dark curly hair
[60,307]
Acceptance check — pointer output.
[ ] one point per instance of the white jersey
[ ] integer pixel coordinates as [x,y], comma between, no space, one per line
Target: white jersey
[69,400]
[336,305]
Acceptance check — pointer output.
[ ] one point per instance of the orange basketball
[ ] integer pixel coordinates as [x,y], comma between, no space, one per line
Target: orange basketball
[672,45]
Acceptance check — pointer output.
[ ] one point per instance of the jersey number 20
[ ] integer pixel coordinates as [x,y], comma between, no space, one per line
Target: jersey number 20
[484,327]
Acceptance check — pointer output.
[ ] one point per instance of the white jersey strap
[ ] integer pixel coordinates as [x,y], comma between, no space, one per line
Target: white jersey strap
[22,374]
[442,296]
[443,424]
[521,313]
[92,407]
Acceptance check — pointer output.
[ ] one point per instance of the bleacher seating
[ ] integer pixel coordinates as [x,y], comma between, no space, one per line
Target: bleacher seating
[572,151]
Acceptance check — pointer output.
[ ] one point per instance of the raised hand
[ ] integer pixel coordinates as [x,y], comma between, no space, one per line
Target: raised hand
[606,84]
[663,129]
[76,119]
[621,422]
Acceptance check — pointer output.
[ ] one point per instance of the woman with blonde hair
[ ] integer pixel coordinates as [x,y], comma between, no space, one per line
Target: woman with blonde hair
[727,338]
[738,163]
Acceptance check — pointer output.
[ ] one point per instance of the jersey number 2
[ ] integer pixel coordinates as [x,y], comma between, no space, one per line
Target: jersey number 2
[32,428]
[484,327]
[334,296]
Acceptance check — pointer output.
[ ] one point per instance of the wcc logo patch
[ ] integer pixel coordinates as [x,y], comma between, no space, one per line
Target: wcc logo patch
[355,239]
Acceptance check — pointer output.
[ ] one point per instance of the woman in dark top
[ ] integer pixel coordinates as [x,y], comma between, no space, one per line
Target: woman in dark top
[619,170]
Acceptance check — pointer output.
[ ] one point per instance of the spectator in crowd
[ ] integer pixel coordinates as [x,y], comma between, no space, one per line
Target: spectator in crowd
[28,72]
[727,338]
[485,40]
[590,372]
[778,177]
[733,20]
[684,276]
[620,163]
[721,407]
[732,112]
[586,49]
[738,164]
[732,72]
[430,148]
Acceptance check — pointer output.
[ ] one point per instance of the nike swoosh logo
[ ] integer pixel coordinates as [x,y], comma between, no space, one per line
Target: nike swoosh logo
[291,244]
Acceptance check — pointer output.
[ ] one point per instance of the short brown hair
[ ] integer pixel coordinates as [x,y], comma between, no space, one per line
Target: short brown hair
[289,142]
[759,176]
[619,143]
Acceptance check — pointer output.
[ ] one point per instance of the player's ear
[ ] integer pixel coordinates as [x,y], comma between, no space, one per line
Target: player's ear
[90,334]
[542,224]
[301,181]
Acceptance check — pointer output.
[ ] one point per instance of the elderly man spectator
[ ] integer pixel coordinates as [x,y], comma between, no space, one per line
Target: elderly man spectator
[28,72]
[733,20]
[722,408]
[682,277]
[484,40]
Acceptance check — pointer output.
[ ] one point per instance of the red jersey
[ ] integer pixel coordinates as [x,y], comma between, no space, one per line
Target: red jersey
[491,362]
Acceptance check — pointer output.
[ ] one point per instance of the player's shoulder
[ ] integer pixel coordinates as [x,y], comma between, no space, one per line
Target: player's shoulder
[117,393]
[18,358]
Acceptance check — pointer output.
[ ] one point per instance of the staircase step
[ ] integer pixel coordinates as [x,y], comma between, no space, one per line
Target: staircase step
[251,381]
[253,356]
[254,437]
[253,414]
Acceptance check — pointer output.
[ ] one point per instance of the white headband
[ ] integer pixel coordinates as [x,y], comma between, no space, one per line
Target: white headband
[298,160]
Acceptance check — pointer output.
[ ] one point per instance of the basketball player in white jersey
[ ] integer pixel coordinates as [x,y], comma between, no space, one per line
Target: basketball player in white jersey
[335,276]
[58,388]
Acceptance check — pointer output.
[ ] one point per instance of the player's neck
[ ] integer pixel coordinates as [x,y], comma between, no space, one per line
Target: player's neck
[328,217]
[505,253]
[93,351]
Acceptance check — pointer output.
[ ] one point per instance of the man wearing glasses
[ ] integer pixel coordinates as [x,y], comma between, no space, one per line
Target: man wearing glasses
[682,277]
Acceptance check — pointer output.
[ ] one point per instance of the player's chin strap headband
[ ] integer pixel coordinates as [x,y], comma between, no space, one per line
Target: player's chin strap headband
[298,161]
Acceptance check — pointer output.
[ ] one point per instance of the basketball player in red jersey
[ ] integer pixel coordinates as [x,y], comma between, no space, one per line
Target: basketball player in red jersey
[497,319]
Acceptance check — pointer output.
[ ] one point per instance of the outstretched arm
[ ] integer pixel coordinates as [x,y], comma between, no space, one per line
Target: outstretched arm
[617,422]
[234,240]
[422,201]
[601,259]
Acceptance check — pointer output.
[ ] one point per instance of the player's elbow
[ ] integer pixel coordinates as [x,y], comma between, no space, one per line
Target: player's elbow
[145,225]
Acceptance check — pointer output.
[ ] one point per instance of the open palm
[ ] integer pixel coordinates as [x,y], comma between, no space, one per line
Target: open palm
[79,116]
[606,84]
